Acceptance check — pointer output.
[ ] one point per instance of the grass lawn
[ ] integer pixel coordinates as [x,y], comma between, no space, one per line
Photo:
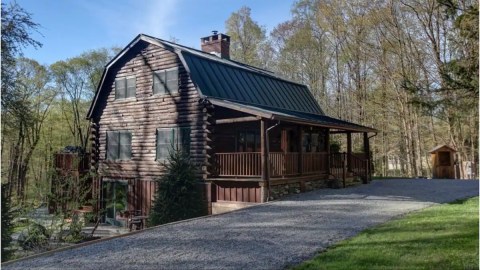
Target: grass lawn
[440,237]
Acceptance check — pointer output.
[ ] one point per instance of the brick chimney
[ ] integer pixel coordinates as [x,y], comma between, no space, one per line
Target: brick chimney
[217,44]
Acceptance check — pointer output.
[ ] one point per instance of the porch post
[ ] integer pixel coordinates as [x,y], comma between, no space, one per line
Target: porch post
[366,150]
[327,145]
[349,151]
[264,158]
[263,149]
[284,146]
[300,149]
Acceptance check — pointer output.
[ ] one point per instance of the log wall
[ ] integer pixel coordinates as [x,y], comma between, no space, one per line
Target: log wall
[142,116]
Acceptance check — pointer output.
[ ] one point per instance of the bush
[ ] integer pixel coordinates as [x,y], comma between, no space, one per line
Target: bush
[335,147]
[75,230]
[34,236]
[178,195]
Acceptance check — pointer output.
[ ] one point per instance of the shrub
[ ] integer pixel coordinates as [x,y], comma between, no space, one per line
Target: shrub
[335,147]
[178,195]
[33,237]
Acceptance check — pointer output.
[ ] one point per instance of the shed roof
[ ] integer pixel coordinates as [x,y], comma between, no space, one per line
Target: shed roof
[439,147]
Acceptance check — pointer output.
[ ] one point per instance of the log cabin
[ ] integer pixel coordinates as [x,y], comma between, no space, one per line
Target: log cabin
[253,135]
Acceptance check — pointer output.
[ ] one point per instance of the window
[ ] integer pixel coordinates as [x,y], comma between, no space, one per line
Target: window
[178,137]
[119,145]
[125,87]
[248,141]
[165,81]
[314,141]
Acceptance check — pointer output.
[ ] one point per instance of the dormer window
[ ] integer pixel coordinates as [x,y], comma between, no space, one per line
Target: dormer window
[125,87]
[165,81]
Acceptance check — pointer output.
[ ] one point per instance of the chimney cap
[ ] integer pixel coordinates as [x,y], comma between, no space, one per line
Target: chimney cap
[214,32]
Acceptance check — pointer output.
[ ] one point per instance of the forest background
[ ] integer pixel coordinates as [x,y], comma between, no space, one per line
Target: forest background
[407,68]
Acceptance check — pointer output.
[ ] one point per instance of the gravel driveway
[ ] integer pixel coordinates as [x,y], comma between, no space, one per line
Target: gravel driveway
[269,236]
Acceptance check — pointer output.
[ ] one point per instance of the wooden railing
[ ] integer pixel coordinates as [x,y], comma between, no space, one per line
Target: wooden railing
[359,166]
[314,163]
[338,163]
[249,164]
[283,164]
[238,164]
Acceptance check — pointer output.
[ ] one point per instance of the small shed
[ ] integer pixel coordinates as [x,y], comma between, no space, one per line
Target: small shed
[443,162]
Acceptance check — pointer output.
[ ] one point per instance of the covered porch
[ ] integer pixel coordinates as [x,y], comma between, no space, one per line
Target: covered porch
[257,154]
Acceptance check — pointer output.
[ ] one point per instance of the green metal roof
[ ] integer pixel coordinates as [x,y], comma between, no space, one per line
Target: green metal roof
[218,79]
[292,116]
[239,86]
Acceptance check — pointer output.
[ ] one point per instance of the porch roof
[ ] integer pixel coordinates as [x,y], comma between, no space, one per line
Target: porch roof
[291,116]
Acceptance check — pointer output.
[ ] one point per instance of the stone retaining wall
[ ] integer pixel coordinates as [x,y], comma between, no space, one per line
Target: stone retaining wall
[278,191]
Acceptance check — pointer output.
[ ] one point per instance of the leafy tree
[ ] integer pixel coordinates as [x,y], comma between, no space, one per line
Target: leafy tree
[17,26]
[178,195]
[24,127]
[6,222]
[248,40]
[77,79]
[462,71]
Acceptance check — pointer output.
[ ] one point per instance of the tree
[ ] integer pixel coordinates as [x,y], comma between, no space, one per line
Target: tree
[178,195]
[6,222]
[462,71]
[77,79]
[248,40]
[17,26]
[24,127]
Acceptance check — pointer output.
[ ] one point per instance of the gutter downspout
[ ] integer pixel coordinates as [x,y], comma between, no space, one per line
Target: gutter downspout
[268,152]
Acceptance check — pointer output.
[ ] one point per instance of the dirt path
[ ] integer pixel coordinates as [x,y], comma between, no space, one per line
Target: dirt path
[270,236]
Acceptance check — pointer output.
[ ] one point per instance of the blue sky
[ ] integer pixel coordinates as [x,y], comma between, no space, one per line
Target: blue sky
[70,27]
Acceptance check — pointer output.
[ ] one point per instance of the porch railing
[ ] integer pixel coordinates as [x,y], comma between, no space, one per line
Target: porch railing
[338,163]
[359,166]
[281,164]
[249,164]
[314,163]
[238,164]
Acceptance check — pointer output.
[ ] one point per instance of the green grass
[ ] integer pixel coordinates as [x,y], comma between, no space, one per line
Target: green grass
[440,237]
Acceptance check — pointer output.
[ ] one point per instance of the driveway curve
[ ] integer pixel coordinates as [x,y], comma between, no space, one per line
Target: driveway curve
[269,236]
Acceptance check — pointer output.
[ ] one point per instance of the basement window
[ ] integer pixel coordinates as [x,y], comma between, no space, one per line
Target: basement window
[125,87]
[119,145]
[165,81]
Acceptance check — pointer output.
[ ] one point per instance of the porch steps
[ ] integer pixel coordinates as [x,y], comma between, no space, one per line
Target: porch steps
[105,231]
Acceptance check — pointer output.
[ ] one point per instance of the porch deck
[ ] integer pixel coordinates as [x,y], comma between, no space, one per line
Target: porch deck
[239,177]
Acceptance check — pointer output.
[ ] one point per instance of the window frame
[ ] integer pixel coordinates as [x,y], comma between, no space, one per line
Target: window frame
[309,145]
[176,134]
[244,133]
[119,155]
[166,90]
[124,82]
